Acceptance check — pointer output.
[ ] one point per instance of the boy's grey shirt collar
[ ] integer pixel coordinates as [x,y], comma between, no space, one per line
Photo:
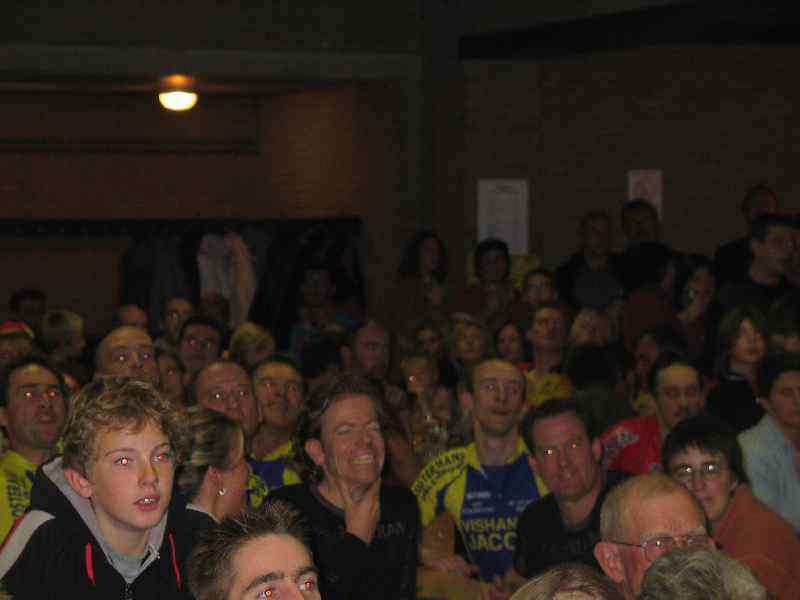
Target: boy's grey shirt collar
[54,470]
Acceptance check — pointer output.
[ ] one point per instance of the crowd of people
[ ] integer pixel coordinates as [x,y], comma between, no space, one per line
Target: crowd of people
[624,426]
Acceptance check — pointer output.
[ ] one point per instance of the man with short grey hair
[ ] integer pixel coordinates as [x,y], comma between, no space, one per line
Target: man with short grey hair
[641,519]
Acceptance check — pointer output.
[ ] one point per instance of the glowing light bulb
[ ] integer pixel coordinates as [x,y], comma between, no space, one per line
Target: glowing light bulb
[177,100]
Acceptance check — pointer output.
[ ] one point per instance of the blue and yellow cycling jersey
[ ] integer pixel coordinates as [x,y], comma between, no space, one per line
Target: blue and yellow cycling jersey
[16,480]
[484,501]
[269,473]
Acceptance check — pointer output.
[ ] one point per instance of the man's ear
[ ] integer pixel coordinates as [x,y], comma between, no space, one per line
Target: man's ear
[607,556]
[3,417]
[597,449]
[314,449]
[79,483]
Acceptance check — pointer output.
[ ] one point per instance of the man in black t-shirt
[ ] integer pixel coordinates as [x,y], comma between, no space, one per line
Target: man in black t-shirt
[564,525]
[363,534]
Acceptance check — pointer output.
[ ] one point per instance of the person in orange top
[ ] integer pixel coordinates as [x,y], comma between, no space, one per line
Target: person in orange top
[702,453]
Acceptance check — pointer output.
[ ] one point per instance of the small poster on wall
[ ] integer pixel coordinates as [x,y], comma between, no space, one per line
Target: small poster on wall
[503,212]
[647,184]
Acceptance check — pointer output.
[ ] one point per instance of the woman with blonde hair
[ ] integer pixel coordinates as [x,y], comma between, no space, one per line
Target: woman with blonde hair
[250,344]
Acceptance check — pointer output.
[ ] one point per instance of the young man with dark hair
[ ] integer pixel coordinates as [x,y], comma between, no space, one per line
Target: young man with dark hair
[772,244]
[634,445]
[101,522]
[200,343]
[771,447]
[260,554]
[364,534]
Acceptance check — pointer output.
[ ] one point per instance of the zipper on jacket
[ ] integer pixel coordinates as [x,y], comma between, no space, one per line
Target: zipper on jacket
[128,592]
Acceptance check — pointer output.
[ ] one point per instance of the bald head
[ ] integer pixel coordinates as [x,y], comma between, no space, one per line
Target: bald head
[127,351]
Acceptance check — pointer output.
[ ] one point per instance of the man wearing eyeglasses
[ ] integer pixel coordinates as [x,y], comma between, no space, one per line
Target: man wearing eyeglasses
[224,386]
[127,351]
[641,519]
[486,485]
[279,390]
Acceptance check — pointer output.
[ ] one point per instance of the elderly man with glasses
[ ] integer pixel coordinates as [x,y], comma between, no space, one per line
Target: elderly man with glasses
[641,519]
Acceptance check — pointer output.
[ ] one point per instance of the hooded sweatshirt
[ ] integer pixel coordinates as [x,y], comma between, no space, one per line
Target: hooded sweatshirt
[57,548]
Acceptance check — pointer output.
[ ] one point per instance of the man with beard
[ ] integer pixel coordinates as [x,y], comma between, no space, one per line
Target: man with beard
[486,485]
[563,526]
[634,445]
[279,391]
[32,412]
[364,534]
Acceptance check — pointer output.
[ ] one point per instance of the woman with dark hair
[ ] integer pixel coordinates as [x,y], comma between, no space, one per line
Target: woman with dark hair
[509,343]
[703,454]
[420,290]
[699,313]
[741,348]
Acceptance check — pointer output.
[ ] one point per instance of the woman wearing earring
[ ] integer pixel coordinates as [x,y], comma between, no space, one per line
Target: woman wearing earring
[214,475]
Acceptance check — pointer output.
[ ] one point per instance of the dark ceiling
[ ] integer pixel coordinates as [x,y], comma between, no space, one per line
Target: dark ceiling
[708,22]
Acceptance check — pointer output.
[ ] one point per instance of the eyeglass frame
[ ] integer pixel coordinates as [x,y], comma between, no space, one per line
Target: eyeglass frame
[691,540]
[705,471]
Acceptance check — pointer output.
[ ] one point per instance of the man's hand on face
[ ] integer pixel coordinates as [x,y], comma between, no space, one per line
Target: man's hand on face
[361,510]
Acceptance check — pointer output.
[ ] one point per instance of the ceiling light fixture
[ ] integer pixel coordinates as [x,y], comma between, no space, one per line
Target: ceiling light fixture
[177,95]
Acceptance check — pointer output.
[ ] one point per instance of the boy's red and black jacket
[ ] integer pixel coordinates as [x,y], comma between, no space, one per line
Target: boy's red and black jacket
[56,549]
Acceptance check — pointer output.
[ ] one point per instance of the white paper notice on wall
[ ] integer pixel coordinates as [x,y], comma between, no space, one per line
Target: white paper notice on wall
[647,184]
[503,212]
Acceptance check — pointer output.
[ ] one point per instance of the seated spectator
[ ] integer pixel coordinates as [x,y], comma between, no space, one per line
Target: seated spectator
[225,387]
[599,381]
[742,346]
[200,343]
[469,345]
[280,393]
[548,338]
[321,359]
[700,574]
[509,343]
[16,341]
[702,453]
[176,312]
[651,344]
[420,281]
[642,519]
[133,315]
[784,323]
[364,534]
[634,445]
[263,553]
[429,338]
[732,260]
[127,351]
[493,301]
[214,475]
[569,581]
[770,446]
[32,412]
[590,327]
[172,376]
[64,341]
[317,312]
[538,289]
[591,278]
[100,522]
[251,344]
[698,311]
[564,525]
[650,302]
[771,241]
[28,305]
[485,485]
